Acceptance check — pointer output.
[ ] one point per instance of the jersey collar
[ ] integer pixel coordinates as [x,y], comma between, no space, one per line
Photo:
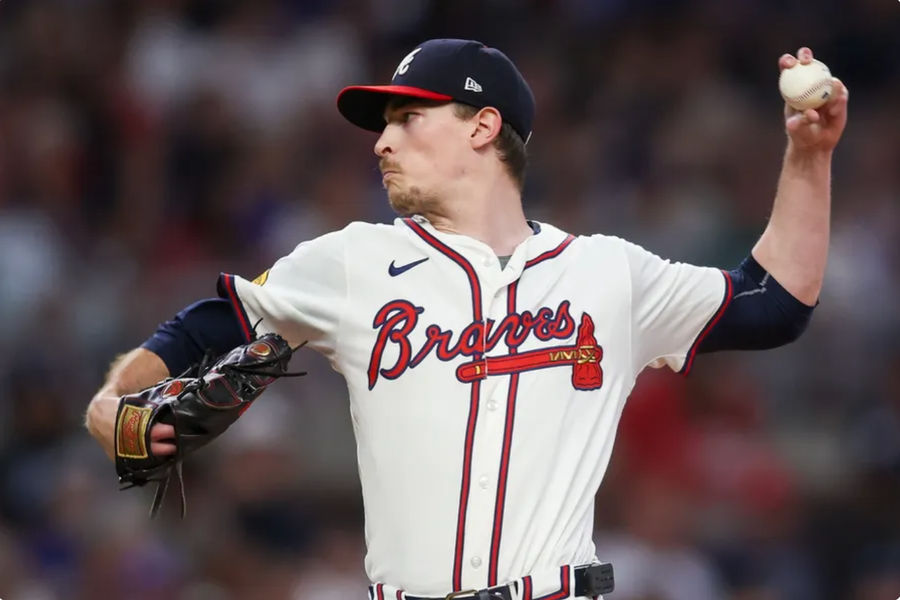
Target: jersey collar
[546,238]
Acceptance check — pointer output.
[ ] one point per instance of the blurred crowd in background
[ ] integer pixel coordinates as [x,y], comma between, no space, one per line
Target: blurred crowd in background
[147,146]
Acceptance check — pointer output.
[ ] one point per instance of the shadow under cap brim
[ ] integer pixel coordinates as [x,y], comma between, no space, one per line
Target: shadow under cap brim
[363,105]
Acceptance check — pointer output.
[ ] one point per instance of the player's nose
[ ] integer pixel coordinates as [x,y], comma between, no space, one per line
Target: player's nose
[384,146]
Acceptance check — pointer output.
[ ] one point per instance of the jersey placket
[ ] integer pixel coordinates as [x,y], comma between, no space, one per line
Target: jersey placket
[490,452]
[491,408]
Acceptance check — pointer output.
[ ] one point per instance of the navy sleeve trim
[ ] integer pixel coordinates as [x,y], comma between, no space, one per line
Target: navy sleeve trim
[723,306]
[225,287]
[207,326]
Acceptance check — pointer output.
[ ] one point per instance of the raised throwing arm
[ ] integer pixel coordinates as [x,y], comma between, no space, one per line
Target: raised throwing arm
[794,246]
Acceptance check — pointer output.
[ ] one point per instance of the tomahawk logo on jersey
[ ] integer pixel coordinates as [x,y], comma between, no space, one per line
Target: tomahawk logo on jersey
[470,383]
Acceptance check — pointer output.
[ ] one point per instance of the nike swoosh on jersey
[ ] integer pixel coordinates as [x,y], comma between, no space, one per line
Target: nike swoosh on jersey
[393,270]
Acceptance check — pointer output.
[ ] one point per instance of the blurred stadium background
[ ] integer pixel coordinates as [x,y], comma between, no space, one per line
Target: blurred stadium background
[147,146]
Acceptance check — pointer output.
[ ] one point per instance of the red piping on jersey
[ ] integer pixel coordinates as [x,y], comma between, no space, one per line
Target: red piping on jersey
[399,594]
[379,591]
[526,588]
[551,253]
[502,478]
[227,282]
[464,486]
[456,257]
[563,591]
[475,287]
[726,300]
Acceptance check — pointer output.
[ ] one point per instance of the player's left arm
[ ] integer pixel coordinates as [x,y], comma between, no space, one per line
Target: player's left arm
[794,246]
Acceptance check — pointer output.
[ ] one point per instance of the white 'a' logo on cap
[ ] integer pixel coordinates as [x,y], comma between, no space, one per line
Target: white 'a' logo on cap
[403,67]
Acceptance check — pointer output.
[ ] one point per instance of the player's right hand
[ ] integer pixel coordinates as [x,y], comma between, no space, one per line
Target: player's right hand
[815,129]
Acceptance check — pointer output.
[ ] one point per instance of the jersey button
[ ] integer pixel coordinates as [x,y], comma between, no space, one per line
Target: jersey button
[476,561]
[492,405]
[484,481]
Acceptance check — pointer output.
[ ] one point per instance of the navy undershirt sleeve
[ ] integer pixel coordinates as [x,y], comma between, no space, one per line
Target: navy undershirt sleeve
[761,314]
[207,325]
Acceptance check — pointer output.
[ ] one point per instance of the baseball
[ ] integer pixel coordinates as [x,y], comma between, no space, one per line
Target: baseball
[805,86]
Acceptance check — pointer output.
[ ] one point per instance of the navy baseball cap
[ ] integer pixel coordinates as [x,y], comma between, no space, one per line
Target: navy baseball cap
[463,71]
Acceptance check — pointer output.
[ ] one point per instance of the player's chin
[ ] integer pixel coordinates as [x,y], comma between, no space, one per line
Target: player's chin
[402,210]
[400,203]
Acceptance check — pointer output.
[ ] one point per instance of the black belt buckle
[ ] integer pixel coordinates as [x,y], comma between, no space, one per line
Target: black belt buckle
[597,579]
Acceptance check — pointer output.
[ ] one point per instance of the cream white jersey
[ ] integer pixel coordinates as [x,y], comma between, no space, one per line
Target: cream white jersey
[484,400]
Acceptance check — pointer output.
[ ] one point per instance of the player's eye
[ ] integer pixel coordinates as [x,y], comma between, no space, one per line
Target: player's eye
[401,116]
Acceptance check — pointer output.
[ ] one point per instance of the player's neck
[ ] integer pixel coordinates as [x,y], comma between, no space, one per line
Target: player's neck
[490,214]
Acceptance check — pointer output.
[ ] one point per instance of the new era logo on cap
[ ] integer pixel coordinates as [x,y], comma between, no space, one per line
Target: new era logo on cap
[472,85]
[434,70]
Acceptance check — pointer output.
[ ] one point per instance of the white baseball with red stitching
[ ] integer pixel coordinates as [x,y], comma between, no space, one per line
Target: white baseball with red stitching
[805,86]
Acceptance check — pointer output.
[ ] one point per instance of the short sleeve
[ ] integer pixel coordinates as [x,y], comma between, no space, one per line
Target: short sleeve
[301,297]
[673,306]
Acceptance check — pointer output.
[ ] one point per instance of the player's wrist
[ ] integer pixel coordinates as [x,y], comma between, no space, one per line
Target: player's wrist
[807,156]
[100,419]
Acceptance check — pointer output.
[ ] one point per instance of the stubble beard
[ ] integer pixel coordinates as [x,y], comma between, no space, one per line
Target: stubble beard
[412,201]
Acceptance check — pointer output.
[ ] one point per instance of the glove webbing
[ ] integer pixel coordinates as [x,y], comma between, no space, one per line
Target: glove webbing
[163,486]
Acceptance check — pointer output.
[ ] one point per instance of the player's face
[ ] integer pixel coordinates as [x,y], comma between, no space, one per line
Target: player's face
[423,152]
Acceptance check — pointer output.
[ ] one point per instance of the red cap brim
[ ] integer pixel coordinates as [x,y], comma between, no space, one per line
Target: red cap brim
[363,105]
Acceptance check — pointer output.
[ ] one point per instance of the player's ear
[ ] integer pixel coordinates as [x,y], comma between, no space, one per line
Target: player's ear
[486,126]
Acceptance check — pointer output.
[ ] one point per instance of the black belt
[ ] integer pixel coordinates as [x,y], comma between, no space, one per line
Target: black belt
[590,580]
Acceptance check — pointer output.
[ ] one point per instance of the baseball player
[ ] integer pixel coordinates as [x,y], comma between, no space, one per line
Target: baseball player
[487,356]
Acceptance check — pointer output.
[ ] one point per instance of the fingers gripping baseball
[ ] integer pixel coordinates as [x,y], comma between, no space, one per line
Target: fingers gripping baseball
[815,129]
